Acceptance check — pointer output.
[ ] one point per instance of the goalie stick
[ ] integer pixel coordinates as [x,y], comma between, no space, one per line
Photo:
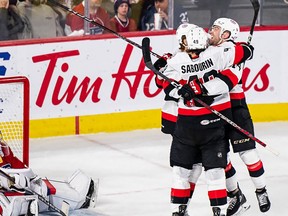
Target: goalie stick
[149,64]
[41,198]
[100,25]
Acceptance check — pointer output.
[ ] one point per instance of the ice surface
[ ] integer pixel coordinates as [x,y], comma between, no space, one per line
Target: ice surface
[134,173]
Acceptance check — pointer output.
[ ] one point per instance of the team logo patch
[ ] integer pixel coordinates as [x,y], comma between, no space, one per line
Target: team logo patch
[206,121]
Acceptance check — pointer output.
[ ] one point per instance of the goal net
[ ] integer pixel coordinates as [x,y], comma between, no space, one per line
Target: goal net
[14,115]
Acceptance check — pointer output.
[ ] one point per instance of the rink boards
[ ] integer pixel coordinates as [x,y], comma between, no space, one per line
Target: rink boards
[91,84]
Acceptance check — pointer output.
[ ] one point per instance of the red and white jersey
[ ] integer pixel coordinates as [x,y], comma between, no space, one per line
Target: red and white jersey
[208,69]
[237,93]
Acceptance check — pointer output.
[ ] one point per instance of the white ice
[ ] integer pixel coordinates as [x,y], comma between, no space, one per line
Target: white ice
[134,174]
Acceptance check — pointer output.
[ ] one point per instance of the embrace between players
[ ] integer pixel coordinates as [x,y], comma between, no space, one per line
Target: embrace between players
[200,138]
[209,67]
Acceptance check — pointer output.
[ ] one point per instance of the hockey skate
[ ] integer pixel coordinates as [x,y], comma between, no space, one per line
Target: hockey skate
[217,211]
[181,211]
[237,204]
[177,214]
[263,200]
[91,196]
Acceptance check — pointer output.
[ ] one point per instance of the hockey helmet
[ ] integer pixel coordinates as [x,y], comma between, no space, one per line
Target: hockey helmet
[196,37]
[227,24]
[183,30]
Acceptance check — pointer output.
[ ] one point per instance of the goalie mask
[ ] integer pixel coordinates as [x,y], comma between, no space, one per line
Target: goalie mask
[196,37]
[229,25]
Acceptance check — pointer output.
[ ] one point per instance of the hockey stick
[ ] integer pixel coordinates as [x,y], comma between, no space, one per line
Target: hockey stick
[256,7]
[101,26]
[41,198]
[149,64]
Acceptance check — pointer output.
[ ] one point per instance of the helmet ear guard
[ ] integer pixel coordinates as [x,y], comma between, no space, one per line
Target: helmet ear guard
[230,25]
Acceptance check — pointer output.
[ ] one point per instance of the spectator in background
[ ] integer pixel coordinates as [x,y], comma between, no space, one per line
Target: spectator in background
[136,8]
[97,13]
[109,6]
[121,22]
[147,21]
[41,21]
[62,14]
[161,7]
[4,33]
[143,5]
[10,21]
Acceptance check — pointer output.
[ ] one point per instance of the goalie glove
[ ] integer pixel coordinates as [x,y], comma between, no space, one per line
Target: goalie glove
[5,183]
[20,182]
[17,182]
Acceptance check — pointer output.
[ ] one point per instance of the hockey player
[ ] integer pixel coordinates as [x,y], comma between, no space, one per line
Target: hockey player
[195,122]
[222,34]
[169,117]
[78,190]
[169,111]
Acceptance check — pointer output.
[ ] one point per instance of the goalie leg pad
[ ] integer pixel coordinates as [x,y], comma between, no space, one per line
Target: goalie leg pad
[18,205]
[73,191]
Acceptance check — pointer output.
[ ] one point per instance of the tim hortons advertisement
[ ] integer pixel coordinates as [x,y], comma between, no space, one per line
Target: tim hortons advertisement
[108,75]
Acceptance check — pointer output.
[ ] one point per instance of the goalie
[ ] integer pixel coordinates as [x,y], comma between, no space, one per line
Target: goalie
[78,191]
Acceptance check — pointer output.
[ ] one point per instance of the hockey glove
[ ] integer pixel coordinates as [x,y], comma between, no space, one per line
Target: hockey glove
[162,62]
[248,50]
[191,89]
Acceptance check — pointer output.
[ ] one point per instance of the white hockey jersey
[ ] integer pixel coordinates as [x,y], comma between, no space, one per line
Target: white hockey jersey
[237,93]
[206,68]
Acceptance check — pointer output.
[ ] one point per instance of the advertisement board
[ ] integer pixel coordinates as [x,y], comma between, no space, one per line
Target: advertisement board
[87,77]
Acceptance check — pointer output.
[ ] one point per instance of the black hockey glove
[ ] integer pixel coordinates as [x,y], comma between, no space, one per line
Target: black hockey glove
[191,89]
[162,62]
[186,92]
[248,50]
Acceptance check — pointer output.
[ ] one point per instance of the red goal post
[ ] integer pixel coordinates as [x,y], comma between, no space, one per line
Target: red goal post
[14,115]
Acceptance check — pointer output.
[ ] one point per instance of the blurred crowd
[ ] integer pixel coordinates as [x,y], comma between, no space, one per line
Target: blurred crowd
[24,19]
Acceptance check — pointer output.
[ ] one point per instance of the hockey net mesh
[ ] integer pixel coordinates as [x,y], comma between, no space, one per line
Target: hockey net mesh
[12,116]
